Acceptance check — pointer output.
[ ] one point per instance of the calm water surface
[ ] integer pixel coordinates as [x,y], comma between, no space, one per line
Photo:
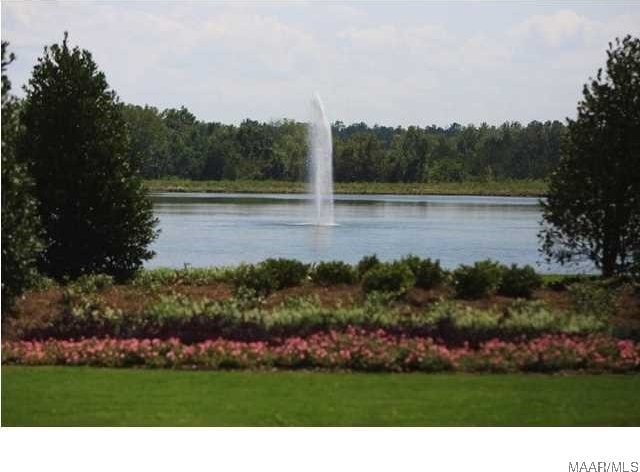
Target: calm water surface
[204,229]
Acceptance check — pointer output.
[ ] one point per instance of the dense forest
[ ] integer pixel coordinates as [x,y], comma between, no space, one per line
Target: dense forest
[173,143]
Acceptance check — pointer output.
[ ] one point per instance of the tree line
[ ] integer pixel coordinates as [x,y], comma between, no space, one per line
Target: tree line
[174,143]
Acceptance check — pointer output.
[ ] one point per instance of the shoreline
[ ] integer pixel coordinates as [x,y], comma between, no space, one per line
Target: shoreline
[511,188]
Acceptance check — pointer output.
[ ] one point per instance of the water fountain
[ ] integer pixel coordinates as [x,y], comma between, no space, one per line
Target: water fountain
[320,164]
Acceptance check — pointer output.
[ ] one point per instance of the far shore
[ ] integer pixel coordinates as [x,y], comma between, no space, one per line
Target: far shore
[503,188]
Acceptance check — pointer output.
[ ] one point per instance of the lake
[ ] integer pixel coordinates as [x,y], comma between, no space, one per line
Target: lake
[208,229]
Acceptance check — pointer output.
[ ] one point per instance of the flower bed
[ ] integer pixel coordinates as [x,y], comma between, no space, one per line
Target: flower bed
[352,349]
[190,320]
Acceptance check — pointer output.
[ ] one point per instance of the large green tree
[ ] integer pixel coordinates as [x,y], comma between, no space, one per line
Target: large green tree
[93,208]
[593,205]
[20,225]
[148,140]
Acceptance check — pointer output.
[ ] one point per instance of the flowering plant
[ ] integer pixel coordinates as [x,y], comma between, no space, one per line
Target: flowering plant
[353,349]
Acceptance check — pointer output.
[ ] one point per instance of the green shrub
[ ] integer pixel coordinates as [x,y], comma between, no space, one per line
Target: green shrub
[531,318]
[300,303]
[519,281]
[475,321]
[366,264]
[477,281]
[270,275]
[560,283]
[428,273]
[332,273]
[91,283]
[396,278]
[176,306]
[594,298]
[458,323]
[285,272]
[411,261]
[378,301]
[534,318]
[42,282]
[246,298]
[86,314]
[152,278]
[255,278]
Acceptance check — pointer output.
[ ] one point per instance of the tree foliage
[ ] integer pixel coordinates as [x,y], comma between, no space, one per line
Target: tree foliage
[176,144]
[20,225]
[94,211]
[593,206]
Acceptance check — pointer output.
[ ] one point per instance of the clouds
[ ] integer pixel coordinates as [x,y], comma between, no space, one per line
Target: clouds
[384,63]
[558,27]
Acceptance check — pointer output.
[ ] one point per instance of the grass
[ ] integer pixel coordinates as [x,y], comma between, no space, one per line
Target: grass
[498,188]
[66,396]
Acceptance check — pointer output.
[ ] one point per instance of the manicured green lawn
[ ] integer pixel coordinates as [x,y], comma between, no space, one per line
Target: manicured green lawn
[90,396]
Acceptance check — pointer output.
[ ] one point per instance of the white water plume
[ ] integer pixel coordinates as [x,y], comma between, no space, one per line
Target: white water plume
[321,164]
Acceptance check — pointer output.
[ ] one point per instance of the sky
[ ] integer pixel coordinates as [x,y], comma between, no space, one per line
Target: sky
[388,63]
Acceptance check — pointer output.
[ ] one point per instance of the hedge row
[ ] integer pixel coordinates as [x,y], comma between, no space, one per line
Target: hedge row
[479,280]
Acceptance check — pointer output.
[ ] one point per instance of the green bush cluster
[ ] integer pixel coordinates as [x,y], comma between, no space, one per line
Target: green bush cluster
[428,273]
[477,281]
[254,281]
[85,313]
[366,264]
[82,305]
[332,273]
[393,277]
[534,317]
[457,323]
[253,278]
[484,278]
[594,298]
[519,281]
[270,275]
